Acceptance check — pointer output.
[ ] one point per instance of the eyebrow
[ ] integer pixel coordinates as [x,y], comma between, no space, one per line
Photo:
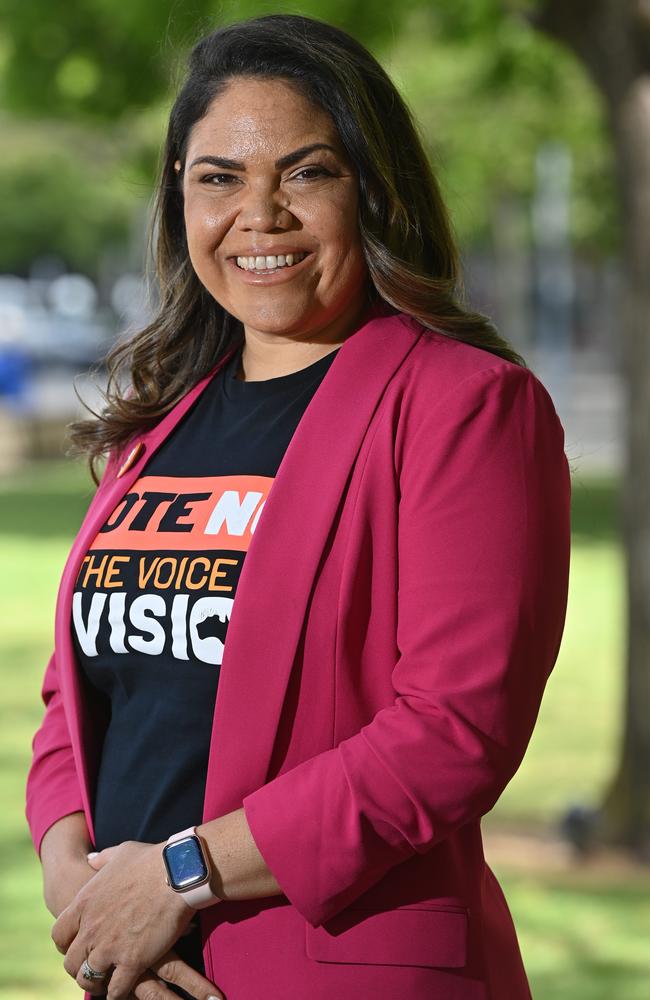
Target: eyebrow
[285,161]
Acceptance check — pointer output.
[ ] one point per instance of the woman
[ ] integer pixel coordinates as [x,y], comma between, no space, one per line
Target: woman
[313,397]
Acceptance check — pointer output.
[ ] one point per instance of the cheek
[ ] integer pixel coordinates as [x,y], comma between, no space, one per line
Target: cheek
[338,226]
[204,224]
[336,229]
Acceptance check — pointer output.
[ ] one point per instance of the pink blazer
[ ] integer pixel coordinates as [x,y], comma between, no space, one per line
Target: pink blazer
[399,611]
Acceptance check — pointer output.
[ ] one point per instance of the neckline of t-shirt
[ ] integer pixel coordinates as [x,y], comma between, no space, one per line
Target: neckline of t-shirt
[238,388]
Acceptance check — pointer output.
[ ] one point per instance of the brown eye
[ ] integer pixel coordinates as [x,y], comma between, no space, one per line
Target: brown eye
[318,171]
[219,177]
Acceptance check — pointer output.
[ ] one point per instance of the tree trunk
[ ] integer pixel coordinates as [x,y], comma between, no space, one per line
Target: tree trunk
[626,805]
[612,39]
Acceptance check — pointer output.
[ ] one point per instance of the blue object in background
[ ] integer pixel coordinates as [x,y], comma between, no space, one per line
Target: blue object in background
[14,376]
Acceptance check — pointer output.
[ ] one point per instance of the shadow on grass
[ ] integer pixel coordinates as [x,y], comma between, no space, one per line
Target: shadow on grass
[49,500]
[591,979]
[45,500]
[595,508]
[586,941]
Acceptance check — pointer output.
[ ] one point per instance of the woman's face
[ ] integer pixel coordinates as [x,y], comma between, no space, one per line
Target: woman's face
[254,186]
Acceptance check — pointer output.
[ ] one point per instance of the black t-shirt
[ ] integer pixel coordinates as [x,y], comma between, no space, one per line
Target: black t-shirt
[154,593]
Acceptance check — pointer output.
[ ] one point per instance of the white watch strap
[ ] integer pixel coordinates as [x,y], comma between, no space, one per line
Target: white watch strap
[190,832]
[201,895]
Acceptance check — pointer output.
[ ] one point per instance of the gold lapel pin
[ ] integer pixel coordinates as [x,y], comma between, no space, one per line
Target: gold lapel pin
[131,458]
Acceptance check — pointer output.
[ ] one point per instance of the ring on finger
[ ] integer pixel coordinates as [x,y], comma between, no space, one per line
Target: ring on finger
[89,973]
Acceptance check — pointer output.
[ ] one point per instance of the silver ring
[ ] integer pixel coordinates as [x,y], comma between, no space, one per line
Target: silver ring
[88,972]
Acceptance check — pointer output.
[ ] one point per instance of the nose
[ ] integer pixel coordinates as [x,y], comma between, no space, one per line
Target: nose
[263,208]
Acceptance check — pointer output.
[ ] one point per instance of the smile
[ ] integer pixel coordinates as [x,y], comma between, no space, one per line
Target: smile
[269,263]
[271,269]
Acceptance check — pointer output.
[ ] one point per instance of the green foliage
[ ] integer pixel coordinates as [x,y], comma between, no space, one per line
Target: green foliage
[66,190]
[486,101]
[486,89]
[93,59]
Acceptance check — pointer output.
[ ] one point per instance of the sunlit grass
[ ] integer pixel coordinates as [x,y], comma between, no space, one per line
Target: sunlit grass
[580,939]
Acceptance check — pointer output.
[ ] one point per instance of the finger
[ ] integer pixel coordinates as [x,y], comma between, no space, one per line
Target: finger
[74,957]
[174,970]
[123,981]
[97,859]
[66,928]
[96,987]
[149,987]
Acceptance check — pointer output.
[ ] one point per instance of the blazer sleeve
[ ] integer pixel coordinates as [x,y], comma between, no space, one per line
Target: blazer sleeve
[483,550]
[52,787]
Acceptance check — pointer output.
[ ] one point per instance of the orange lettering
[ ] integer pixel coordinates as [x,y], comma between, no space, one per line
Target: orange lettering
[113,570]
[196,585]
[169,561]
[218,572]
[143,573]
[181,570]
[97,571]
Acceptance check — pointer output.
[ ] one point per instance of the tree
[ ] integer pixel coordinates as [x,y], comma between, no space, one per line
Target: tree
[612,40]
[95,59]
[102,61]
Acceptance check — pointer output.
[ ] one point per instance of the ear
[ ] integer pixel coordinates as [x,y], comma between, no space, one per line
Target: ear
[177,166]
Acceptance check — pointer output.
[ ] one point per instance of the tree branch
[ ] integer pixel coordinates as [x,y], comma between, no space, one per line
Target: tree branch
[610,37]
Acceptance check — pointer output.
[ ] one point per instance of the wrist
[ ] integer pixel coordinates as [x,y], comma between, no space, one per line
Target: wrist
[62,882]
[53,865]
[188,869]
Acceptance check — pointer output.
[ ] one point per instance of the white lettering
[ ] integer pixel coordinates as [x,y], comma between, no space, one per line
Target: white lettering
[179,631]
[116,608]
[141,619]
[233,512]
[87,633]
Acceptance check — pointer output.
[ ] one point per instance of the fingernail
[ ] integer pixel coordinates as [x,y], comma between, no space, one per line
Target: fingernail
[93,854]
[213,997]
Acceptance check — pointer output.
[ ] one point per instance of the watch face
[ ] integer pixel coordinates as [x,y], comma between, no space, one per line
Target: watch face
[184,863]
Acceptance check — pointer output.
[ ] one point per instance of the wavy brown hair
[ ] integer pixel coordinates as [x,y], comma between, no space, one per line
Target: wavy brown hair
[409,246]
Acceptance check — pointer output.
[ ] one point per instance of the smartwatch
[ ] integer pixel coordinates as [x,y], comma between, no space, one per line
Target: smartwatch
[188,869]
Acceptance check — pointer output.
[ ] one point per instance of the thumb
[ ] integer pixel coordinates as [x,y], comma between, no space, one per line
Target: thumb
[97,859]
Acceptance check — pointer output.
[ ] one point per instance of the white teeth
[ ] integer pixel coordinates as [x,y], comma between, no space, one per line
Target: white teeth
[270,262]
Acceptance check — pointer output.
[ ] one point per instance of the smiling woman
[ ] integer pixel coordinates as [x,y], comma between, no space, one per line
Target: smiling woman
[291,192]
[304,630]
[373,174]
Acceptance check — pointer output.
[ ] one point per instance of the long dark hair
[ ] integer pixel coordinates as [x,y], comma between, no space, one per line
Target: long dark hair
[408,242]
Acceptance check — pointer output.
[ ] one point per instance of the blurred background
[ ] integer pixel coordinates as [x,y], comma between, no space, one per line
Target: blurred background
[536,117]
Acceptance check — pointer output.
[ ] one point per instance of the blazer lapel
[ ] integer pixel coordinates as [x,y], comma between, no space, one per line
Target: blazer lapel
[287,546]
[83,738]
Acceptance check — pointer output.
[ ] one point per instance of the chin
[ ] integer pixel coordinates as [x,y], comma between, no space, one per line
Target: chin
[267,321]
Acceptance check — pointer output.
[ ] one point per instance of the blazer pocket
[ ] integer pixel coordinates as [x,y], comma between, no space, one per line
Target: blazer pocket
[409,935]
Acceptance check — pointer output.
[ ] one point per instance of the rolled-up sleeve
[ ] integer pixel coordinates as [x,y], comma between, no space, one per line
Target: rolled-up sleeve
[53,789]
[483,553]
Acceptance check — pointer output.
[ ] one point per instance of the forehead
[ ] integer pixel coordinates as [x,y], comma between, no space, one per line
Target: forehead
[253,115]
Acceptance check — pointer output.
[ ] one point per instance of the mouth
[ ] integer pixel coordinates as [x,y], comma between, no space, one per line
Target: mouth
[259,269]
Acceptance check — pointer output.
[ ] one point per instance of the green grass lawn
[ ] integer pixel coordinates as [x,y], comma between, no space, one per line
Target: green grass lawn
[582,937]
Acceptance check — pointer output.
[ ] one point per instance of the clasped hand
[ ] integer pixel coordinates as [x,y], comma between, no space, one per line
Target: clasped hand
[123,921]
